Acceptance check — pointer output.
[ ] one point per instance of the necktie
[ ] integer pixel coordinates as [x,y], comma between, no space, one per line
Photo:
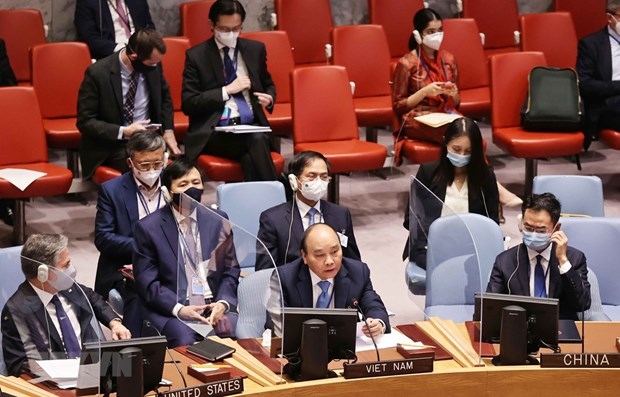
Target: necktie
[72,346]
[128,106]
[230,72]
[323,301]
[311,216]
[122,15]
[540,289]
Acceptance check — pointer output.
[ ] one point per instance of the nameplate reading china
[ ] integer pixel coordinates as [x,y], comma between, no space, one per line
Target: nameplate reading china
[580,360]
[386,368]
[214,389]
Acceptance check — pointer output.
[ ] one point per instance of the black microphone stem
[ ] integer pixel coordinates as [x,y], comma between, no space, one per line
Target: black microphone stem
[372,338]
[149,325]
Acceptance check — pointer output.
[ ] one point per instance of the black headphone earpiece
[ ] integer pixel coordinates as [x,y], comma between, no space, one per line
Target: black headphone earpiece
[417,37]
[42,273]
[292,180]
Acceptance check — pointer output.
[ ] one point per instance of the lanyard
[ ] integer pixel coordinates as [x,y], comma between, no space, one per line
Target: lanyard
[615,39]
[145,205]
[126,22]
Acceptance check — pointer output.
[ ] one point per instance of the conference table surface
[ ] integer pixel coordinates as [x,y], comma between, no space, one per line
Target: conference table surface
[449,378]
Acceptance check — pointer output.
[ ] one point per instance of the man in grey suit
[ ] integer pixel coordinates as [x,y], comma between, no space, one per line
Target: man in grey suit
[226,82]
[123,94]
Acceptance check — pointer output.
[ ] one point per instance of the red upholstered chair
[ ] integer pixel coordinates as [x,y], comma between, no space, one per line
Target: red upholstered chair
[57,72]
[103,174]
[372,98]
[396,17]
[509,77]
[498,20]
[324,121]
[195,24]
[552,33]
[610,138]
[307,23]
[21,29]
[588,16]
[225,170]
[462,39]
[23,146]
[280,63]
[173,63]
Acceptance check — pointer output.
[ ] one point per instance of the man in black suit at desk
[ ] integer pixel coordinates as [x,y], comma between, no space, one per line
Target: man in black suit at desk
[543,265]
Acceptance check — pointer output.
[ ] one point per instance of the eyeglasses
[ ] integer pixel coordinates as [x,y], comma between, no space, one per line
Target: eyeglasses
[312,177]
[226,29]
[533,229]
[149,165]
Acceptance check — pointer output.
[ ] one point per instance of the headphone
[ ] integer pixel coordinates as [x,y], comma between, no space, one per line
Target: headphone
[42,273]
[292,180]
[166,156]
[417,37]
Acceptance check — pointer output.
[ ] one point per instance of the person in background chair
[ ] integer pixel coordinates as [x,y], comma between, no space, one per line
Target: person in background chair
[49,316]
[281,227]
[543,265]
[121,203]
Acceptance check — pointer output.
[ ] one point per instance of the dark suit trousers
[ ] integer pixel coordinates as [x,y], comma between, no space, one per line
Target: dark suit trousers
[251,150]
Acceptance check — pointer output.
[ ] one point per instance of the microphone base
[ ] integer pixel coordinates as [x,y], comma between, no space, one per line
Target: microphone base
[388,367]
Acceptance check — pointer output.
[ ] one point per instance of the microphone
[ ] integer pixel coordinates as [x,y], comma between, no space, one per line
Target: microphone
[148,324]
[357,306]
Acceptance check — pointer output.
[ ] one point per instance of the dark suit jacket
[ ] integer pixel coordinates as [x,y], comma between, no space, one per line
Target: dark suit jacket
[351,283]
[155,261]
[100,109]
[599,92]
[117,214]
[203,79]
[274,227]
[428,208]
[571,288]
[93,22]
[25,325]
[7,77]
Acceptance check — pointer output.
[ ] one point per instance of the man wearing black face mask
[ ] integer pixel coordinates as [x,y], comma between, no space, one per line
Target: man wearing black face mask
[123,94]
[543,265]
[184,262]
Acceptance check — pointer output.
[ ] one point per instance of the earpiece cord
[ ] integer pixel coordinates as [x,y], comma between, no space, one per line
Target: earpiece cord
[290,228]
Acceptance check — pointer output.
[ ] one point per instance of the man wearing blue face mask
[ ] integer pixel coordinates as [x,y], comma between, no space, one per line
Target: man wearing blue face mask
[543,265]
[184,262]
[49,316]
[282,227]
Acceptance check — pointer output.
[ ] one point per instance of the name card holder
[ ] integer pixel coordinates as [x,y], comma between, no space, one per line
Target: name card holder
[389,367]
[214,389]
[580,360]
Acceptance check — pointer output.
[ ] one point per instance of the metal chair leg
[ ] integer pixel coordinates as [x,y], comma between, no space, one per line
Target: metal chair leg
[19,225]
[333,190]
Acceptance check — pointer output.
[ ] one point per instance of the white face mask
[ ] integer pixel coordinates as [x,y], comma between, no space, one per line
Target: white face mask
[149,178]
[64,279]
[228,39]
[315,189]
[433,40]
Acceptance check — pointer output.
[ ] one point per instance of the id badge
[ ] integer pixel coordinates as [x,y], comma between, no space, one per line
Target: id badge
[197,286]
[225,116]
[344,240]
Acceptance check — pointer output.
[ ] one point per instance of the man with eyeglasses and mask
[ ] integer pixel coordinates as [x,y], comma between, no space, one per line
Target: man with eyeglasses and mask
[282,227]
[543,265]
[598,66]
[121,95]
[121,203]
[226,82]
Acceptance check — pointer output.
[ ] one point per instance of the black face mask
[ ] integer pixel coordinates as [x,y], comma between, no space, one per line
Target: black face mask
[192,192]
[140,67]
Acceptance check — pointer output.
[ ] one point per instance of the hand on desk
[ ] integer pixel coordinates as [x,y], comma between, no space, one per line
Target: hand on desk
[375,327]
[193,313]
[118,330]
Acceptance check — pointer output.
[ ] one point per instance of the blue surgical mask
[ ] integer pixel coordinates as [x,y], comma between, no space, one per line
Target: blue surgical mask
[458,160]
[536,241]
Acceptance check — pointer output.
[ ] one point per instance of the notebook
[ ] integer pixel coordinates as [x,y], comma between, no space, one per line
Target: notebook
[211,350]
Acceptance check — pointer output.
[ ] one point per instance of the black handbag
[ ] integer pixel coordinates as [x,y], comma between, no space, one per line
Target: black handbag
[553,102]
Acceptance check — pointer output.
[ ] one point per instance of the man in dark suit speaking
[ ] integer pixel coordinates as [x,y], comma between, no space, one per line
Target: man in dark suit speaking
[124,94]
[226,82]
[49,316]
[281,227]
[322,278]
[543,265]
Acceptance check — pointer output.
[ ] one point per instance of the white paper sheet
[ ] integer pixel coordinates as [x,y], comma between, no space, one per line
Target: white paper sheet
[385,341]
[20,178]
[437,119]
[63,373]
[242,129]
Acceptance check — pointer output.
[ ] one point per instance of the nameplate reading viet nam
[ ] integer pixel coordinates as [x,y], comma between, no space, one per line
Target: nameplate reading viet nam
[242,129]
[214,389]
[580,360]
[388,367]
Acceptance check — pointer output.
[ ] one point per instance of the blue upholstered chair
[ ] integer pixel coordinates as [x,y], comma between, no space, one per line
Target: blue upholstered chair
[244,202]
[461,252]
[598,239]
[596,311]
[12,277]
[578,194]
[253,293]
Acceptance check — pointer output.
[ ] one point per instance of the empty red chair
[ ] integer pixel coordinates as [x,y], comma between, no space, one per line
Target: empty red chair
[396,17]
[174,63]
[509,85]
[307,23]
[324,121]
[498,20]
[462,39]
[23,146]
[21,29]
[56,80]
[588,16]
[195,23]
[552,33]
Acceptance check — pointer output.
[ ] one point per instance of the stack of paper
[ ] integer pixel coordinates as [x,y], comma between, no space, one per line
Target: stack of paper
[437,119]
[63,373]
[242,129]
[385,341]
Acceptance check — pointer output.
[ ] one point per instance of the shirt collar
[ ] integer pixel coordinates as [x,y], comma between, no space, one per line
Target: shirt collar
[316,279]
[180,217]
[45,296]
[613,33]
[304,208]
[143,189]
[124,69]
[545,254]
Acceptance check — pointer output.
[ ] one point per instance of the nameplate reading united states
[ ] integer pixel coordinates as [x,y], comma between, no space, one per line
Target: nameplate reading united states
[386,368]
[580,360]
[214,389]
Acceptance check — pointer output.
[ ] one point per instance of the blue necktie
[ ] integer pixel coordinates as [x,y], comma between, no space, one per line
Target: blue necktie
[311,213]
[540,289]
[230,73]
[72,346]
[323,301]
